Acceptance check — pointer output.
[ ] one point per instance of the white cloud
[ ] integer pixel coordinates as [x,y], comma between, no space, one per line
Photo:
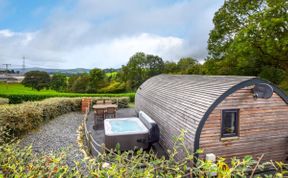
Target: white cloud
[6,33]
[116,52]
[97,33]
[109,53]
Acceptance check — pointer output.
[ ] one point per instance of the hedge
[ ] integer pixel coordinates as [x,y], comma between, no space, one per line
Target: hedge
[19,98]
[17,119]
[20,118]
[122,102]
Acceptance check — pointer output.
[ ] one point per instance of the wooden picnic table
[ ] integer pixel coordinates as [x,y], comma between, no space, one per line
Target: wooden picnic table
[104,106]
[103,109]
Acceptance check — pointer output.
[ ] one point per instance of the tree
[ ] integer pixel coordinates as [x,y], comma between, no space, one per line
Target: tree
[141,67]
[80,85]
[58,82]
[154,65]
[36,80]
[71,81]
[188,65]
[251,36]
[170,67]
[135,71]
[96,80]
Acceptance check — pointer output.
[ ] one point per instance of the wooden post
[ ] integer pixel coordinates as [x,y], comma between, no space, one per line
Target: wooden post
[89,143]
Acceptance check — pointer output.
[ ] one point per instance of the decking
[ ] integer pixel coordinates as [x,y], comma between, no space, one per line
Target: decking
[98,133]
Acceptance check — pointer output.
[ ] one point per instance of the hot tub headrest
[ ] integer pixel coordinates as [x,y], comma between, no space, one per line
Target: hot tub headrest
[154,133]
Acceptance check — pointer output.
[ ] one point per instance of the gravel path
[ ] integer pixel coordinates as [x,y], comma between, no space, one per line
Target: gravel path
[56,134]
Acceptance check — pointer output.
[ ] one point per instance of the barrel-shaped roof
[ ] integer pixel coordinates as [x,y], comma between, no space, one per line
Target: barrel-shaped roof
[192,97]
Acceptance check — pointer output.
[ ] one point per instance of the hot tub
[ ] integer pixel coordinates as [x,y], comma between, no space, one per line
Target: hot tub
[130,133]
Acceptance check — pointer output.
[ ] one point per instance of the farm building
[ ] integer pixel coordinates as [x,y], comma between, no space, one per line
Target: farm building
[224,115]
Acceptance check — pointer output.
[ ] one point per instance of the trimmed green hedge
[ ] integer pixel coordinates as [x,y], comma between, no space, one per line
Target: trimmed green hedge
[122,102]
[19,98]
[17,119]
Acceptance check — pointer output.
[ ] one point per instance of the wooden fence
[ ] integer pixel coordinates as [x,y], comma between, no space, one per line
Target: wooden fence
[94,148]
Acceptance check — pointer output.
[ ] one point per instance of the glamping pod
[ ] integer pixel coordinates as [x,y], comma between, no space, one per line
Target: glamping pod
[224,115]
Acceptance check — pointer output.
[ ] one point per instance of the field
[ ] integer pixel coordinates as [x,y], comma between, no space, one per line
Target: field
[17,88]
[17,93]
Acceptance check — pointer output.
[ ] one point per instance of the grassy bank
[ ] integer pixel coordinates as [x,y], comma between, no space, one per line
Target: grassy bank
[17,93]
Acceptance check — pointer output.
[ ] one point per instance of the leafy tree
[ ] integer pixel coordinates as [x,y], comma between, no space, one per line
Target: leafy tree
[36,80]
[141,67]
[170,67]
[135,71]
[154,65]
[80,85]
[212,67]
[96,80]
[58,82]
[189,66]
[71,81]
[273,74]
[251,36]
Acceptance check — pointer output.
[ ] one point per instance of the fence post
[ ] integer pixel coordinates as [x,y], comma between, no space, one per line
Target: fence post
[89,143]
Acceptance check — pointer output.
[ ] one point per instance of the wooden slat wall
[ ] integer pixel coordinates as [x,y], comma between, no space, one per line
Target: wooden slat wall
[178,102]
[263,128]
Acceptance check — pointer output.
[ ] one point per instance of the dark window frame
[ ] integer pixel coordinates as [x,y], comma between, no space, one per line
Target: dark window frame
[236,134]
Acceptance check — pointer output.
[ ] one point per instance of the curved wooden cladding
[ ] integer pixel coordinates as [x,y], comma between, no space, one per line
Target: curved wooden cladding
[178,102]
[263,128]
[170,122]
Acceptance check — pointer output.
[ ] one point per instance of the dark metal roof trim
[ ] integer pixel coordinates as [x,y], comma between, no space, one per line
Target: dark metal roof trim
[227,93]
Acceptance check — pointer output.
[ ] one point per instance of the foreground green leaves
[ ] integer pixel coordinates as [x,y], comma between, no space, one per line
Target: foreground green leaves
[21,162]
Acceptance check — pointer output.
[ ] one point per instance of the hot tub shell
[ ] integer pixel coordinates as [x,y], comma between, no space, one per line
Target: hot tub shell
[128,140]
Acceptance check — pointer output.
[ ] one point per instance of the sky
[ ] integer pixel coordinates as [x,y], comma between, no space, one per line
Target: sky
[67,34]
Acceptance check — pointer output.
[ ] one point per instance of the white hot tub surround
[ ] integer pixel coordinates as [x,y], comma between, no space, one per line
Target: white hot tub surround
[132,138]
[122,122]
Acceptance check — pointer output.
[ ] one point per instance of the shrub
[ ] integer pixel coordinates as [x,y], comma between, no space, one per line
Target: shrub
[22,162]
[17,162]
[20,118]
[19,98]
[122,102]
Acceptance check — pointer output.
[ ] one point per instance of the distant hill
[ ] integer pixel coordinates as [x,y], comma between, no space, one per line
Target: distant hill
[51,71]
[64,71]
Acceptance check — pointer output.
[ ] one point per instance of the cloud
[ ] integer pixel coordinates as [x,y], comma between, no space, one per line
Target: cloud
[95,33]
[6,33]
[110,53]
[114,53]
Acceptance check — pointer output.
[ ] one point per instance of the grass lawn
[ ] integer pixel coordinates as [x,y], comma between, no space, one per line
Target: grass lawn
[17,93]
[17,88]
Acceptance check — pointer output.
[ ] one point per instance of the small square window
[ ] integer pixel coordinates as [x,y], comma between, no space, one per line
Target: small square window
[230,122]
